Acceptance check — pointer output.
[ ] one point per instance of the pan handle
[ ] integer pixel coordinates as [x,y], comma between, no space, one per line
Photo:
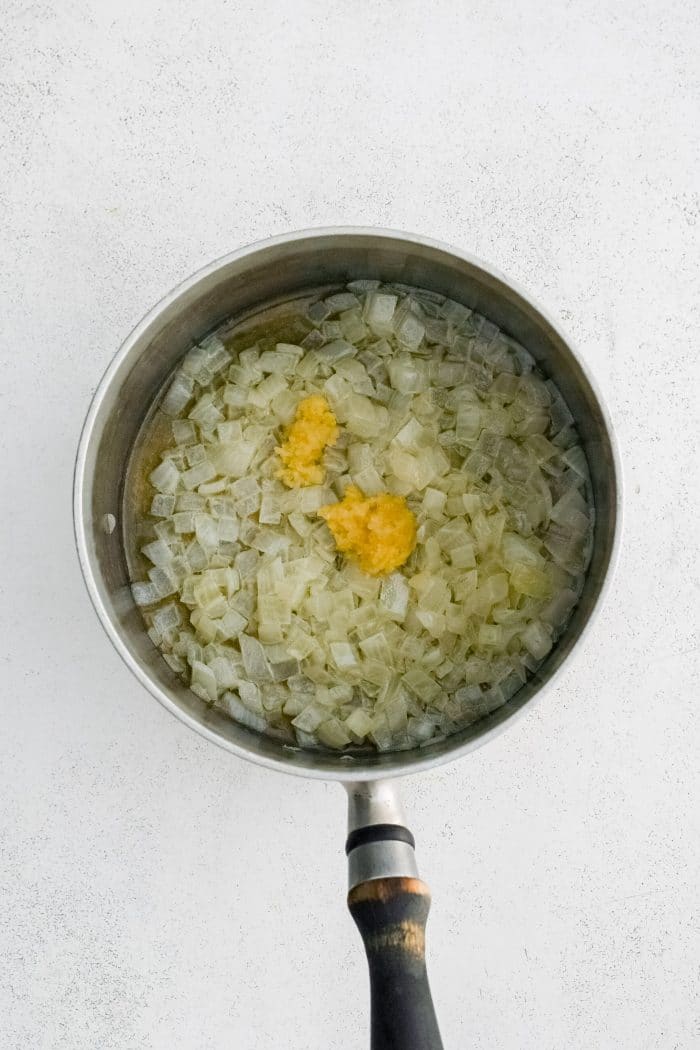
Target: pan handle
[390,904]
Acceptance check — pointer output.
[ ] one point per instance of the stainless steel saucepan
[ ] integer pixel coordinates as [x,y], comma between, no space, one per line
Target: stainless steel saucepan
[387,899]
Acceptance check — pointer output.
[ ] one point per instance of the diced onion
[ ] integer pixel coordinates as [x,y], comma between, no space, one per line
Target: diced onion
[243,589]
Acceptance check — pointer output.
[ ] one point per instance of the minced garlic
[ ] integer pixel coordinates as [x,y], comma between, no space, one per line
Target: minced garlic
[379,531]
[313,428]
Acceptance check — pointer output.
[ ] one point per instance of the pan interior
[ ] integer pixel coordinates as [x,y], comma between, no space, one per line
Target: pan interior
[114,459]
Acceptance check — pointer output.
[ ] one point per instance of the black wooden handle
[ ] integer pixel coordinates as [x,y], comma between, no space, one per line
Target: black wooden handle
[390,914]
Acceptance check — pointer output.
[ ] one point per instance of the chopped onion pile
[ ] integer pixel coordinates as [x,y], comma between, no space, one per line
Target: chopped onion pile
[246,595]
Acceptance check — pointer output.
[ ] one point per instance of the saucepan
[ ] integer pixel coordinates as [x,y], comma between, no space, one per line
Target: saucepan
[388,901]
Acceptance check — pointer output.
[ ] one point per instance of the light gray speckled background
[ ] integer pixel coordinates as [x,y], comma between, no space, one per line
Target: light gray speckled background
[154,892]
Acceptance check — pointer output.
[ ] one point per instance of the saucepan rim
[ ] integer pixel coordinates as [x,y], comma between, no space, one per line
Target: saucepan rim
[356,771]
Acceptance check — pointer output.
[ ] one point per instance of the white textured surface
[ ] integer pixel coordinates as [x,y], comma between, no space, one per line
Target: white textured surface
[157,894]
